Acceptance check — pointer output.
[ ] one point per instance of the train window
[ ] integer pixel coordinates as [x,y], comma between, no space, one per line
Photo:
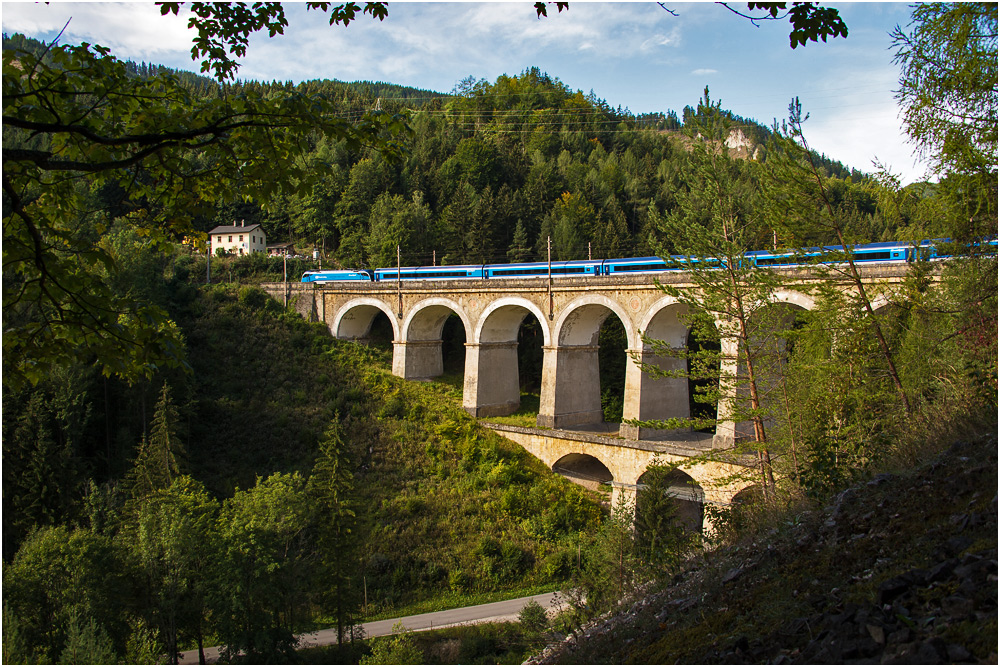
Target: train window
[872,256]
[537,271]
[776,261]
[622,268]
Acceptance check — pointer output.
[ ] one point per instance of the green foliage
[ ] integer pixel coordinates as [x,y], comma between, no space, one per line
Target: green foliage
[661,540]
[86,644]
[330,488]
[60,576]
[262,584]
[533,617]
[809,21]
[611,568]
[161,458]
[398,649]
[134,136]
[44,431]
[143,647]
[174,545]
[719,217]
[354,481]
[948,92]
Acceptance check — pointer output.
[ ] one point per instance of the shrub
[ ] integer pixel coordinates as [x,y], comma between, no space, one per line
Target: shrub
[533,617]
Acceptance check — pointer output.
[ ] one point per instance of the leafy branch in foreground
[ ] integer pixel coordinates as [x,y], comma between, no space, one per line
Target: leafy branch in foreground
[224,28]
[77,123]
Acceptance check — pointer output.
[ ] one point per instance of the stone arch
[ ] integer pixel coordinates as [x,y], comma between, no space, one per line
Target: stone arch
[417,353]
[648,397]
[571,382]
[492,385]
[583,469]
[804,301]
[661,321]
[500,321]
[768,371]
[748,495]
[586,314]
[354,319]
[687,494]
[425,320]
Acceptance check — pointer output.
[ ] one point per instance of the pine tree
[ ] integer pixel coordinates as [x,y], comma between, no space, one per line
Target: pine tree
[716,222]
[803,205]
[330,487]
[161,456]
[519,248]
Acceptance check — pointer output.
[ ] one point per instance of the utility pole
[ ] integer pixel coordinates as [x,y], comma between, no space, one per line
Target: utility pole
[284,264]
[551,303]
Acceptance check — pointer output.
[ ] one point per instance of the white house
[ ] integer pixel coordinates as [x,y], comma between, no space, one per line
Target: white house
[238,239]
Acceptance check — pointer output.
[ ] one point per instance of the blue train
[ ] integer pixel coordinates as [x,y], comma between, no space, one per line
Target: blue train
[872,252]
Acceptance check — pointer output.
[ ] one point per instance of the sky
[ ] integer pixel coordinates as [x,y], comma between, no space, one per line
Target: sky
[635,55]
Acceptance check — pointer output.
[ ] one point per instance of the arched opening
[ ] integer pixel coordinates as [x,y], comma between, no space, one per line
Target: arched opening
[503,375]
[751,495]
[530,343]
[612,343]
[453,348]
[430,333]
[583,469]
[380,335]
[366,323]
[668,497]
[576,374]
[703,377]
[778,327]
[530,340]
[676,377]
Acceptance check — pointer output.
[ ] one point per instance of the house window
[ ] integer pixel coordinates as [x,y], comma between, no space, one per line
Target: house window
[230,239]
[253,239]
[241,238]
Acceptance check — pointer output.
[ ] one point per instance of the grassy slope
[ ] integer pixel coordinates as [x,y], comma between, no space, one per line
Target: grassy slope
[443,504]
[899,569]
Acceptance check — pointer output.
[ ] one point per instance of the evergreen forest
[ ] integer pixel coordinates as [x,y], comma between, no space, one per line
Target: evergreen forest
[187,463]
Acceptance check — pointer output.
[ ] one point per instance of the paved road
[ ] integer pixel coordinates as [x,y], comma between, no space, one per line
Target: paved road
[494,611]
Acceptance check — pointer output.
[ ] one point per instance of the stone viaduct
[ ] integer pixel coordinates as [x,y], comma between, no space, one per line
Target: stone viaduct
[570,311]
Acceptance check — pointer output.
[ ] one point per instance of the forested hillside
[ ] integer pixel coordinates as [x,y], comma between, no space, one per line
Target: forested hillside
[494,169]
[287,476]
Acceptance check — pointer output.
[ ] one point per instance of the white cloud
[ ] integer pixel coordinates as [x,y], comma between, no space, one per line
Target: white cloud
[701,72]
[133,31]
